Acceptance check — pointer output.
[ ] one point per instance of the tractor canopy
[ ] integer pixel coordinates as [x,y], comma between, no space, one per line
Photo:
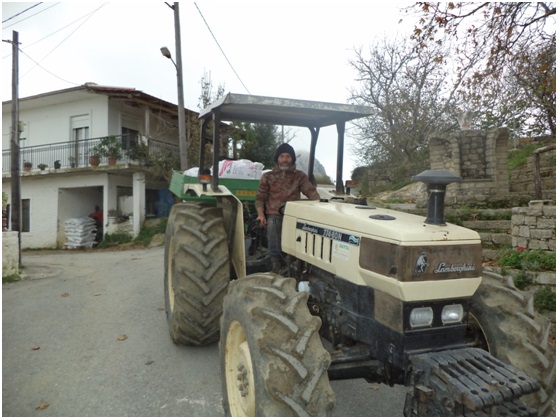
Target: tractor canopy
[280,111]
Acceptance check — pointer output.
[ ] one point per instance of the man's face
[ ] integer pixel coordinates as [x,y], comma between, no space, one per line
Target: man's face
[284,161]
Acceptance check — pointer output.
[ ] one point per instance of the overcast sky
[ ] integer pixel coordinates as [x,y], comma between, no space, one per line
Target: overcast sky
[295,49]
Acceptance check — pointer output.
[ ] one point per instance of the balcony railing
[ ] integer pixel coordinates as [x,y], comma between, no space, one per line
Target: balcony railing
[75,154]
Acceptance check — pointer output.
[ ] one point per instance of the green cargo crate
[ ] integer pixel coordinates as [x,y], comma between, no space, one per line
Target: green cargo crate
[244,189]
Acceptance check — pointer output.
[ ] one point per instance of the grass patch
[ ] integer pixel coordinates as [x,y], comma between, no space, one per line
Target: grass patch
[126,241]
[10,278]
[531,260]
[518,158]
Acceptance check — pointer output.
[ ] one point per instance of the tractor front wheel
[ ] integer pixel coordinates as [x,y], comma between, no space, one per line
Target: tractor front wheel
[196,273]
[273,362]
[503,322]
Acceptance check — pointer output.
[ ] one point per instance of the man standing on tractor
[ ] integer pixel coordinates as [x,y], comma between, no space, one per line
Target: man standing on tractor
[284,183]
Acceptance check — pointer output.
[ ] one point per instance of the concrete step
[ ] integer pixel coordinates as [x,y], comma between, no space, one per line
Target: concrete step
[489,225]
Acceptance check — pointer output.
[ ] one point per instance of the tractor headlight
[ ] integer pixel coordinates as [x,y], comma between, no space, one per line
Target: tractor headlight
[421,317]
[452,314]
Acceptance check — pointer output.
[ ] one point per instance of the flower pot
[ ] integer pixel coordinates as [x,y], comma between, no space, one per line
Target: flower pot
[111,161]
[94,160]
[57,164]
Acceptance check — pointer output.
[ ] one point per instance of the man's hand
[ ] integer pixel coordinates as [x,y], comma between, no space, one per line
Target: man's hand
[262,220]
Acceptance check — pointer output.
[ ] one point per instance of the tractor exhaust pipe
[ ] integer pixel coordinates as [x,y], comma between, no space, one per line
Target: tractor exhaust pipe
[436,181]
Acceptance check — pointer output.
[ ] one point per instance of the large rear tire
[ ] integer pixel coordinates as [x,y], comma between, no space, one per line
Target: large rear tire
[196,273]
[273,362]
[503,322]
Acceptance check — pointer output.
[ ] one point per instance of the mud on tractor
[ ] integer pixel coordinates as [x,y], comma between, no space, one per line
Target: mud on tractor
[368,293]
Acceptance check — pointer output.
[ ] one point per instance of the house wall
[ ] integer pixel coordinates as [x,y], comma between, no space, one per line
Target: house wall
[51,124]
[68,197]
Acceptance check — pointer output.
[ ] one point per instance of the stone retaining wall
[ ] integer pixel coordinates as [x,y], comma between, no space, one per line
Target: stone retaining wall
[10,255]
[534,227]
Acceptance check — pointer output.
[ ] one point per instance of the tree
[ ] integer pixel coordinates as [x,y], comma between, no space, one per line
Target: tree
[256,142]
[207,97]
[412,96]
[495,41]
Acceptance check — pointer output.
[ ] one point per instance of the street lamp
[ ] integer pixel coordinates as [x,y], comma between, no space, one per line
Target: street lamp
[182,142]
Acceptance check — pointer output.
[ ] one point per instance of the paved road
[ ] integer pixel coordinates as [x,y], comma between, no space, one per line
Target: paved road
[84,334]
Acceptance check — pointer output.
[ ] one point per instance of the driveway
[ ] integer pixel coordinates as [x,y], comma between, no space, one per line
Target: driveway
[84,333]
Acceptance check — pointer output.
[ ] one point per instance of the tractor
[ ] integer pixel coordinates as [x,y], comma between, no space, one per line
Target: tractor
[371,293]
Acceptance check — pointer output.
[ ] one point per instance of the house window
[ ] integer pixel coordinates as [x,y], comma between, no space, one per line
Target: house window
[79,125]
[130,137]
[25,215]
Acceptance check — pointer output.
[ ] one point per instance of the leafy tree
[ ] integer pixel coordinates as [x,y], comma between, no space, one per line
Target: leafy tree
[413,97]
[256,142]
[506,49]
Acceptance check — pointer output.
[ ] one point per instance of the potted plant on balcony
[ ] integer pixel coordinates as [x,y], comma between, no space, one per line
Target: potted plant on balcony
[57,164]
[42,166]
[27,165]
[94,159]
[111,148]
[72,160]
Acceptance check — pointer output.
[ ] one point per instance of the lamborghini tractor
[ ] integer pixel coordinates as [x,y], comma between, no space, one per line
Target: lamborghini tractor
[368,292]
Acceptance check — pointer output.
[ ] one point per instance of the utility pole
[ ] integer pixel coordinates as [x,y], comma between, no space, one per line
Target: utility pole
[15,211]
[182,140]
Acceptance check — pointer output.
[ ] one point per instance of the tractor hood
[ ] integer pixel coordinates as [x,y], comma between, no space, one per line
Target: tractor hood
[386,225]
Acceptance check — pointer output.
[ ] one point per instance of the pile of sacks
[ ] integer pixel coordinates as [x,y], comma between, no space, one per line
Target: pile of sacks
[234,169]
[80,232]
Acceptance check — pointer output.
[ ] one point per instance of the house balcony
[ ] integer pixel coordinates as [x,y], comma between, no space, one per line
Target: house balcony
[71,156]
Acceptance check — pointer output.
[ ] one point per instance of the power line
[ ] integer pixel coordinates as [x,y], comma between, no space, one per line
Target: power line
[223,52]
[28,17]
[61,42]
[58,30]
[20,13]
[49,72]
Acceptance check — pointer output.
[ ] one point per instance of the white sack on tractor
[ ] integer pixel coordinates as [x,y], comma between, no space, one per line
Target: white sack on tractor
[234,169]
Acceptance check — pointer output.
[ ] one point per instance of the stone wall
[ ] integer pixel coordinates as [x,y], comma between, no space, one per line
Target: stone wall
[479,158]
[534,227]
[522,180]
[10,255]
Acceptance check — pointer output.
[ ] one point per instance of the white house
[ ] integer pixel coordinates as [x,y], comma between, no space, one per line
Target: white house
[60,129]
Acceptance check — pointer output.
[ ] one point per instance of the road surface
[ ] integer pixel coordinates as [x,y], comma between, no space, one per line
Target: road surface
[84,333]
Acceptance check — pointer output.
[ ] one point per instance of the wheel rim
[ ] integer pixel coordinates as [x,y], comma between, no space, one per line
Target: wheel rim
[475,334]
[170,270]
[239,374]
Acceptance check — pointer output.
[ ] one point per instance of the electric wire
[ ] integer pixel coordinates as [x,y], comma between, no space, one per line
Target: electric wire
[49,72]
[61,42]
[56,31]
[223,52]
[28,17]
[20,13]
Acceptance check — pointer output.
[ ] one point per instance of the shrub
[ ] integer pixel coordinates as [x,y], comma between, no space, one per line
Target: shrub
[545,299]
[533,260]
[522,280]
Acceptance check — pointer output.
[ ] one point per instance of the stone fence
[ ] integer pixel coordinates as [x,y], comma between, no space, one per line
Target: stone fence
[534,227]
[10,254]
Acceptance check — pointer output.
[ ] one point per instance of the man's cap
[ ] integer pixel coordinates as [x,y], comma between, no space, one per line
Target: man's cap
[285,148]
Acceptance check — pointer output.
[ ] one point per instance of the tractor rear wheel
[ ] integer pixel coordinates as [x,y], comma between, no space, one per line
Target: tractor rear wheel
[503,322]
[273,362]
[196,273]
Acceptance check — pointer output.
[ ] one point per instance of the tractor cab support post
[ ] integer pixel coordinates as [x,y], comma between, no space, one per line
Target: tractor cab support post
[216,144]
[314,132]
[203,129]
[339,187]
